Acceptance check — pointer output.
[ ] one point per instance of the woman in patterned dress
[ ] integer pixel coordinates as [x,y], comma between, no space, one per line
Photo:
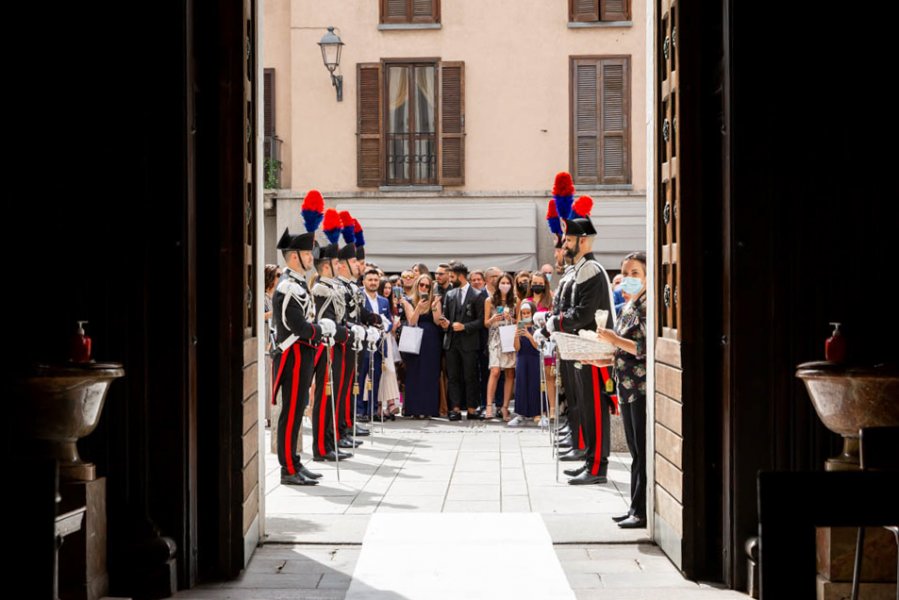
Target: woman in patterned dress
[629,339]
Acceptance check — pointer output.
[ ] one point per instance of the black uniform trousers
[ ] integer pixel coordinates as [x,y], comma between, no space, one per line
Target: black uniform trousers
[566,372]
[293,371]
[342,373]
[595,407]
[634,416]
[322,417]
[462,372]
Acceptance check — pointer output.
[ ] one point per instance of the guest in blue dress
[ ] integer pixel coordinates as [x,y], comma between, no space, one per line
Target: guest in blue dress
[423,309]
[527,366]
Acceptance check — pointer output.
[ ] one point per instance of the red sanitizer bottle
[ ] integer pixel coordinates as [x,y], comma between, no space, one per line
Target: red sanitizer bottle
[835,346]
[81,345]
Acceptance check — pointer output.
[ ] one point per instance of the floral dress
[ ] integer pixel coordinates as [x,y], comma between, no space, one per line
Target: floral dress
[630,370]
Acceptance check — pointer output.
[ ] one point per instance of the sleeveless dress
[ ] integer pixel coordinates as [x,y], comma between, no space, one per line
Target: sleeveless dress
[422,393]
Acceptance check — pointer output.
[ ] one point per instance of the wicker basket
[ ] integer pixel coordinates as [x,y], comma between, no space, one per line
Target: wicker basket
[575,347]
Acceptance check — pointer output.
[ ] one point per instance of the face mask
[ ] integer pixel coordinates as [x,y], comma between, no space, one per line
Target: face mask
[538,289]
[526,320]
[505,287]
[522,288]
[631,285]
[549,276]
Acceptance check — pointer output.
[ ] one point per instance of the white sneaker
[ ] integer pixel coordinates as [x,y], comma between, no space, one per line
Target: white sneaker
[516,421]
[544,422]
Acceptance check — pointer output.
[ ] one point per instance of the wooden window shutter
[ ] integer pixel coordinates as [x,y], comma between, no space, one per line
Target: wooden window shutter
[583,10]
[451,145]
[268,102]
[614,10]
[368,124]
[394,11]
[424,11]
[615,128]
[585,121]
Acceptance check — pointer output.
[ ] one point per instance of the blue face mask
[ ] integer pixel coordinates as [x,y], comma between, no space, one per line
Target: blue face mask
[631,285]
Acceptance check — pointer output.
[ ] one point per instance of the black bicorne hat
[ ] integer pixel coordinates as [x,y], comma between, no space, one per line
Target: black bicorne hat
[347,252]
[580,227]
[304,241]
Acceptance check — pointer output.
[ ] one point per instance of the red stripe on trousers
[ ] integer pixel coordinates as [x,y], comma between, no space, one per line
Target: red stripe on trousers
[349,390]
[278,376]
[580,438]
[340,387]
[322,409]
[288,452]
[597,417]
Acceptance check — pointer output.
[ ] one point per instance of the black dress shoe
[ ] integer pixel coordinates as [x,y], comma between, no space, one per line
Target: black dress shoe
[566,442]
[586,478]
[574,455]
[332,456]
[473,416]
[633,522]
[455,416]
[363,418]
[307,473]
[576,472]
[345,443]
[298,479]
[621,518]
[362,431]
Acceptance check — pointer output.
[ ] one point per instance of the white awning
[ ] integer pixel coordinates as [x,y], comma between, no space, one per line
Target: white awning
[479,234]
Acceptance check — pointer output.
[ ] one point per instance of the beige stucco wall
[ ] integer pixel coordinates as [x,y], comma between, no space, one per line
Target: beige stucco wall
[516,85]
[276,55]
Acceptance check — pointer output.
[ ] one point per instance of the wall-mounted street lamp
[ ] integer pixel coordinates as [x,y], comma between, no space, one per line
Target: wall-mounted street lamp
[331,47]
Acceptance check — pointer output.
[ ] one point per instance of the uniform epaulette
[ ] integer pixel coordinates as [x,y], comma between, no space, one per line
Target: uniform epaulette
[588,270]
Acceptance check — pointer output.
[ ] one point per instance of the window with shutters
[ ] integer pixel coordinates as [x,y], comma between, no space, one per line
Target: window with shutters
[595,11]
[600,120]
[410,11]
[410,123]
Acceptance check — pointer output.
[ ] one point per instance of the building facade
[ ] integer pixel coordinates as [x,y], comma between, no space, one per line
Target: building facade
[454,119]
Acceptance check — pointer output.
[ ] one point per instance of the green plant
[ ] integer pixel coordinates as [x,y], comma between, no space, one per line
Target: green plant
[272,170]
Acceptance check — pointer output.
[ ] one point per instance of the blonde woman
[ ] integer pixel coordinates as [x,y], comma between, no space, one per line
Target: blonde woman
[422,308]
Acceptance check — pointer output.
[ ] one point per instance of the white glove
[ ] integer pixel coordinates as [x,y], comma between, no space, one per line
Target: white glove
[373,335]
[358,334]
[551,323]
[538,337]
[385,322]
[540,319]
[329,328]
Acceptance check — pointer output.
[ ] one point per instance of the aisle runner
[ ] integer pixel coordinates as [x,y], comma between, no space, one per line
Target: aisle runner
[467,556]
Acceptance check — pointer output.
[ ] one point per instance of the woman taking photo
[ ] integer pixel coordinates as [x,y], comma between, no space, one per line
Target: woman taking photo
[499,309]
[422,394]
[629,339]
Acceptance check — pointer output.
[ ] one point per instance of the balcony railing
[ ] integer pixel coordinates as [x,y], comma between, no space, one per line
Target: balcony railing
[272,163]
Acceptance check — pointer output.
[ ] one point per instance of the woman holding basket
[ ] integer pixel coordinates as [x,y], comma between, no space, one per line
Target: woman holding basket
[629,339]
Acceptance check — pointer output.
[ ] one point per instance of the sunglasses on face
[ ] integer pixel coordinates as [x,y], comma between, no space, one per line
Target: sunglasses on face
[424,286]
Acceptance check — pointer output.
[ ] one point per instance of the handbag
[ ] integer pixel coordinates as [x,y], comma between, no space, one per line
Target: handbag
[410,339]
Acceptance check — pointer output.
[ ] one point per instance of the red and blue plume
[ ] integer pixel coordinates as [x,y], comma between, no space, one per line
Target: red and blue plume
[332,225]
[357,233]
[348,225]
[582,208]
[563,194]
[312,210]
[552,218]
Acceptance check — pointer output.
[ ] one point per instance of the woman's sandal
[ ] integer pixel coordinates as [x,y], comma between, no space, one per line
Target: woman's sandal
[507,416]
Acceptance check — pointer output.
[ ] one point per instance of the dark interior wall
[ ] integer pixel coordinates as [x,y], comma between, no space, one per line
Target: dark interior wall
[97,229]
[812,198]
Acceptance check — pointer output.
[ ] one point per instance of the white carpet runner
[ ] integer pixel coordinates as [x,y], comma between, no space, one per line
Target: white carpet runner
[458,556]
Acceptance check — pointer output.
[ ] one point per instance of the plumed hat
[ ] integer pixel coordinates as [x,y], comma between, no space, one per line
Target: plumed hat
[359,240]
[579,224]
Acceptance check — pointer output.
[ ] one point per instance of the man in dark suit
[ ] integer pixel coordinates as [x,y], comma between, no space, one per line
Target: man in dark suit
[463,310]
